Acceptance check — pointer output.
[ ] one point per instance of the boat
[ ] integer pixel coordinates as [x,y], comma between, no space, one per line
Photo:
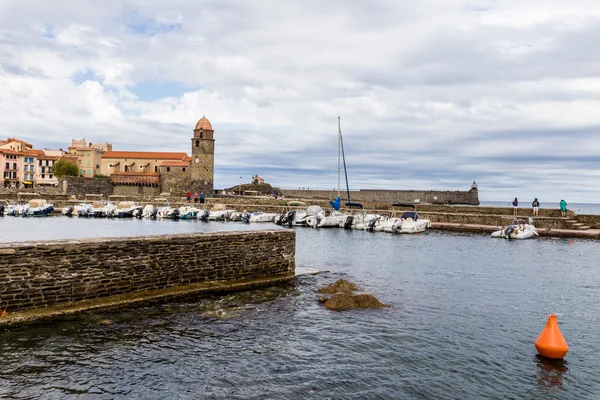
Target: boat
[39,207]
[412,223]
[203,215]
[337,202]
[125,209]
[261,216]
[102,209]
[292,218]
[188,212]
[518,229]
[149,211]
[326,219]
[361,221]
[3,207]
[84,210]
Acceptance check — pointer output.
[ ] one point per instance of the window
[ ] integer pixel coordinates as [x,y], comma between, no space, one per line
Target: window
[14,175]
[14,165]
[89,172]
[89,162]
[81,172]
[43,170]
[197,143]
[49,170]
[168,169]
[43,176]
[183,169]
[156,168]
[127,168]
[47,161]
[7,165]
[50,176]
[41,163]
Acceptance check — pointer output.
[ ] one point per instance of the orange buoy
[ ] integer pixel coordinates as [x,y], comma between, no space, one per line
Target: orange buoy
[551,343]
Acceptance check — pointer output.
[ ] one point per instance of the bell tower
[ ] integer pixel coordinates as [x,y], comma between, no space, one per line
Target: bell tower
[202,166]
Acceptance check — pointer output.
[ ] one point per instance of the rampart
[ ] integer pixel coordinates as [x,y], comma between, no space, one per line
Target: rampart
[470,197]
[45,274]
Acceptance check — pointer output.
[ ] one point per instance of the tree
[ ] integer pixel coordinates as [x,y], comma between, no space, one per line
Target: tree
[64,168]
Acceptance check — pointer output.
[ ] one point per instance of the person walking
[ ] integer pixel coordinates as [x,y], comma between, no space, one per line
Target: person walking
[536,207]
[196,197]
[563,208]
[202,198]
[515,206]
[188,196]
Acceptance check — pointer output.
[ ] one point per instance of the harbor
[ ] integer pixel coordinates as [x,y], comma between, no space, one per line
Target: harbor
[460,304]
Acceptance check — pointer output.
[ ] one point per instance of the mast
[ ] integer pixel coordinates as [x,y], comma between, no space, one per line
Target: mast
[339,147]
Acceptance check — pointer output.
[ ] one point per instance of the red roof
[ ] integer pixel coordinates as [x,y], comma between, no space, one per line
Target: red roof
[175,164]
[157,155]
[72,160]
[19,141]
[34,153]
[45,157]
[9,151]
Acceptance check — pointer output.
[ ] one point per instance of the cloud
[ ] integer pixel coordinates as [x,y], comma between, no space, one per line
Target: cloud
[432,94]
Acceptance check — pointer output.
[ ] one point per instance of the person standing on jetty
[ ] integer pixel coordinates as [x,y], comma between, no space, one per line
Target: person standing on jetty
[202,198]
[563,208]
[196,197]
[536,207]
[515,206]
[188,196]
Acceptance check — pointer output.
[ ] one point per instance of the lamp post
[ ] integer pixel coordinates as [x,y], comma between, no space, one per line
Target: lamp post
[240,187]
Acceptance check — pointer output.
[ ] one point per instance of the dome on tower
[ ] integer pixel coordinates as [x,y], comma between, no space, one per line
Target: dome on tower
[204,123]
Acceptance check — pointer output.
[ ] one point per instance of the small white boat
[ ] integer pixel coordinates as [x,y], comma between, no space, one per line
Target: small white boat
[220,215]
[361,221]
[519,229]
[125,209]
[84,210]
[39,207]
[412,223]
[103,209]
[188,212]
[261,216]
[4,206]
[292,218]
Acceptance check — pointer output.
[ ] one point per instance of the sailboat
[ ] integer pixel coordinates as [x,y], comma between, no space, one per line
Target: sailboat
[337,202]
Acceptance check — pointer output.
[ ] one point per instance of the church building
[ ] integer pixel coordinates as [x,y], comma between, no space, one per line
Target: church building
[174,173]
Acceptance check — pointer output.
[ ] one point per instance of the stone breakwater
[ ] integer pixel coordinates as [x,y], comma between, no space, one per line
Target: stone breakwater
[40,275]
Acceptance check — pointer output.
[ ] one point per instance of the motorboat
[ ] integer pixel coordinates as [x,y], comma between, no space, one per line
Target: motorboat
[84,210]
[518,229]
[149,211]
[360,220]
[4,205]
[326,219]
[39,207]
[412,223]
[292,218]
[125,209]
[261,216]
[98,209]
[204,215]
[188,212]
[219,215]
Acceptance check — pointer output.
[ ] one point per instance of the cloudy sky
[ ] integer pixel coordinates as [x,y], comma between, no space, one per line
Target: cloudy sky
[433,94]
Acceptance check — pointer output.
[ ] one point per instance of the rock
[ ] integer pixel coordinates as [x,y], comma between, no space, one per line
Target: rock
[345,301]
[340,286]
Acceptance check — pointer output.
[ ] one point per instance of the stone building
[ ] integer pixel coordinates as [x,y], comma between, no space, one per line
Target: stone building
[173,172]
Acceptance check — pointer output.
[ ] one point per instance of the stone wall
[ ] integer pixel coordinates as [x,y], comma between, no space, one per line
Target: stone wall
[79,186]
[42,274]
[137,192]
[470,197]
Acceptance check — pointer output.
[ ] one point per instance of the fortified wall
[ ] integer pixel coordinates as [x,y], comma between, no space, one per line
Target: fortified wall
[51,273]
[470,197]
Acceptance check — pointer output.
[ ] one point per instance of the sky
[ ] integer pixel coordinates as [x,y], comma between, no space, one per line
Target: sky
[432,94]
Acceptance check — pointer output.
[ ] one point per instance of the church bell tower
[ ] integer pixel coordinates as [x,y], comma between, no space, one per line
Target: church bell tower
[202,167]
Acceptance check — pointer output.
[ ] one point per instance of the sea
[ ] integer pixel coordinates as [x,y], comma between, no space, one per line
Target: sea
[464,313]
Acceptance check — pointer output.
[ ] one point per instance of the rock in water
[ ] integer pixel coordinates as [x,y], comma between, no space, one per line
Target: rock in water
[346,301]
[340,286]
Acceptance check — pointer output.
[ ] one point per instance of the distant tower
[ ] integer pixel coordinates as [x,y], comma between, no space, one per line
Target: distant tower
[202,166]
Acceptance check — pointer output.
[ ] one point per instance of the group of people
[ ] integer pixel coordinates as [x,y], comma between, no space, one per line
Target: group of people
[536,207]
[197,197]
